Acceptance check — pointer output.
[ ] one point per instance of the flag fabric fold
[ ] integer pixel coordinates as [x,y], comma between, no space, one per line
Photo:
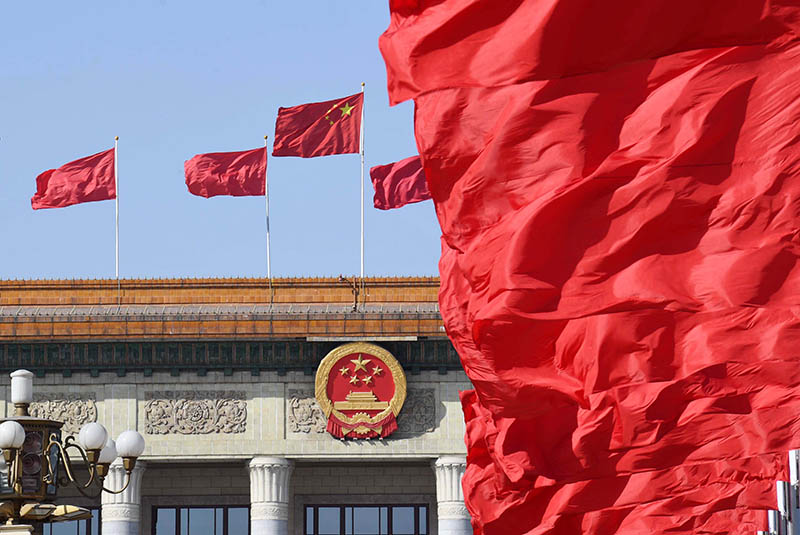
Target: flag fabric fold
[84,180]
[238,174]
[618,195]
[319,128]
[398,184]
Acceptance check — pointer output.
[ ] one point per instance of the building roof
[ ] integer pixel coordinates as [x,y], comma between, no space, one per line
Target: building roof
[139,309]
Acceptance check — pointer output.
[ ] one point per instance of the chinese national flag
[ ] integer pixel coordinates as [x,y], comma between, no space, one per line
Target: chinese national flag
[227,173]
[618,187]
[84,180]
[319,128]
[398,184]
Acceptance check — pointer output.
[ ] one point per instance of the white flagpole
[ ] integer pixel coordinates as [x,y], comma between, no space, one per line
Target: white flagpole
[266,202]
[363,105]
[116,205]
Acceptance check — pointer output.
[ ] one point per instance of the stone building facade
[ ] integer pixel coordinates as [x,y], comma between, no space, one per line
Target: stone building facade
[219,377]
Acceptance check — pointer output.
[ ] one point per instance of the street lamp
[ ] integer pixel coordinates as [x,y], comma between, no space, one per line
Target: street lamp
[38,460]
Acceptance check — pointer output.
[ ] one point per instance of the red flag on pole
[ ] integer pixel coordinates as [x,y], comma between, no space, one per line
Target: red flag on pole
[85,180]
[238,174]
[398,184]
[319,128]
[619,205]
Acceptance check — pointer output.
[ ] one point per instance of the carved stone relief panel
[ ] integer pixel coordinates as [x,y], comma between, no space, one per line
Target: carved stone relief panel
[194,412]
[303,413]
[74,410]
[419,412]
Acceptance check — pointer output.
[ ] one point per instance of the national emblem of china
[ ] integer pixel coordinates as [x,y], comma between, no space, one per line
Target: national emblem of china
[361,388]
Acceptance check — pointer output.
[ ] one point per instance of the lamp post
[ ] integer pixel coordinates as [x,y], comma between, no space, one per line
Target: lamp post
[39,461]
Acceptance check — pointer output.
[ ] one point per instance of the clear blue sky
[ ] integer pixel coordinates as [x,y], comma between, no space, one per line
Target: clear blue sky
[177,78]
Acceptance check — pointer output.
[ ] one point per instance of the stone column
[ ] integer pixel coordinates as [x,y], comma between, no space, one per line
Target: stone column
[453,515]
[122,513]
[269,495]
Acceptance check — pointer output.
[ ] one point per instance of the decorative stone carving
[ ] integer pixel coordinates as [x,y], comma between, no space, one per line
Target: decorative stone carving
[269,511]
[126,512]
[452,510]
[303,413]
[419,412]
[193,412]
[73,409]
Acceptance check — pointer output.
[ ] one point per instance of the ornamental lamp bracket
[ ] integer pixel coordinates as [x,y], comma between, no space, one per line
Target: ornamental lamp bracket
[38,460]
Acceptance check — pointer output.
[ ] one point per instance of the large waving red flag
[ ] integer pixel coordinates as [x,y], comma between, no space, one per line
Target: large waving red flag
[617,189]
[238,174]
[398,184]
[85,180]
[319,128]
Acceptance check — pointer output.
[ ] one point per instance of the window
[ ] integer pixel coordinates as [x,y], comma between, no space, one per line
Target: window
[366,520]
[201,521]
[75,527]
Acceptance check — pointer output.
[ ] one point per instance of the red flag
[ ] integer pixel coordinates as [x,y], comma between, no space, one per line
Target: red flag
[319,128]
[227,173]
[398,184]
[85,180]
[619,205]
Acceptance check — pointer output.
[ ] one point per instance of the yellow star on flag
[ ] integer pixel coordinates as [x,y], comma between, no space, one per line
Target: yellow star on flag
[344,370]
[346,109]
[377,370]
[354,380]
[368,380]
[361,364]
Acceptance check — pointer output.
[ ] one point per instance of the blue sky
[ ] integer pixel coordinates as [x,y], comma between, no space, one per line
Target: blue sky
[177,78]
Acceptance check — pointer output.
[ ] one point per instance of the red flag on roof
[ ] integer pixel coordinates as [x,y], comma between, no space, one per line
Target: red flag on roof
[319,128]
[398,184]
[618,194]
[85,180]
[227,173]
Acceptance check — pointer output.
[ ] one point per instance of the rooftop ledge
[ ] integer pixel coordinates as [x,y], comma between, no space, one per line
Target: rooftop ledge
[245,309]
[244,292]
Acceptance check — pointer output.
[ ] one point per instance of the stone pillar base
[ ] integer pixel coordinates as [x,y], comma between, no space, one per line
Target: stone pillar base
[16,529]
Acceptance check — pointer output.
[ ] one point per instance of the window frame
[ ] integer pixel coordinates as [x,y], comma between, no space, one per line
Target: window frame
[343,507]
[96,510]
[179,508]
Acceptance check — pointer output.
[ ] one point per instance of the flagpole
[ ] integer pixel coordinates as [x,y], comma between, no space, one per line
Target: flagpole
[266,202]
[116,234]
[363,105]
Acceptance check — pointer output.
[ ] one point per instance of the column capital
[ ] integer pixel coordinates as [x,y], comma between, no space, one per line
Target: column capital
[263,461]
[121,513]
[449,471]
[269,488]
[453,514]
[448,460]
[269,495]
[116,479]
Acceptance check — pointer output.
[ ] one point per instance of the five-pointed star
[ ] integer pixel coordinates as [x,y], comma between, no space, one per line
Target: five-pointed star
[344,370]
[361,364]
[368,380]
[377,370]
[346,109]
[354,380]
